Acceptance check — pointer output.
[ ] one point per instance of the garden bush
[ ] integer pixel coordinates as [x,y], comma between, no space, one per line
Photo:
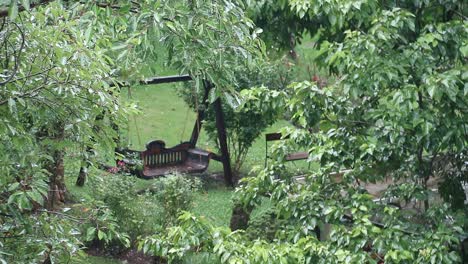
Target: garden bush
[118,192]
[174,194]
[140,213]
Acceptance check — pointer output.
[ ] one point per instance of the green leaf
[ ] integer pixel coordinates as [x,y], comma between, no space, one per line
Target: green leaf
[36,196]
[332,19]
[12,105]
[431,90]
[213,95]
[101,235]
[225,257]
[13,186]
[90,232]
[464,50]
[13,197]
[452,91]
[13,10]
[119,47]
[23,202]
[25,4]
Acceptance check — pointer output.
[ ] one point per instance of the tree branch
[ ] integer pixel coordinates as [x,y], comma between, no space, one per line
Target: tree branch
[17,57]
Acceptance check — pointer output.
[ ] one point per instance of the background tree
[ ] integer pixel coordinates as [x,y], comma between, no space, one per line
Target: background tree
[54,83]
[282,28]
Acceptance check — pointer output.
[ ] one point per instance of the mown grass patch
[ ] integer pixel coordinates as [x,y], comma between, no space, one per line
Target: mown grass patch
[215,204]
[95,260]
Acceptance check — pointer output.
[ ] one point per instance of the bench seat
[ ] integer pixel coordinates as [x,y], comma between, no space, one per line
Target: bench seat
[159,160]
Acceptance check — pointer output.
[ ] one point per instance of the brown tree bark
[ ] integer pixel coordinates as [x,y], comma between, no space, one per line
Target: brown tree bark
[56,169]
[240,217]
[80,181]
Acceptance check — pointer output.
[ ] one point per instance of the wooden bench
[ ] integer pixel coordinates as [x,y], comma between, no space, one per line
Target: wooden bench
[302,155]
[159,160]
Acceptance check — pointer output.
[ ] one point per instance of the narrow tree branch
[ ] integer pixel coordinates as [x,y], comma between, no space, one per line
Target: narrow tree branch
[17,57]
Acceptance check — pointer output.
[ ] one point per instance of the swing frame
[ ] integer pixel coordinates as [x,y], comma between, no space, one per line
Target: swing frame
[220,126]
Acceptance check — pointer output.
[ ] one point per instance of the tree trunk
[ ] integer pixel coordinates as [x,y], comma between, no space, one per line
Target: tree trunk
[83,174]
[240,217]
[56,169]
[292,46]
[221,128]
[80,181]
[57,188]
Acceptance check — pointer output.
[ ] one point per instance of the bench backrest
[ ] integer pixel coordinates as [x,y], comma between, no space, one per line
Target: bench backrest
[274,136]
[157,155]
[290,157]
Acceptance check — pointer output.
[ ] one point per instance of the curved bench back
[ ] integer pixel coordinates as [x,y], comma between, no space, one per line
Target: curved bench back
[157,155]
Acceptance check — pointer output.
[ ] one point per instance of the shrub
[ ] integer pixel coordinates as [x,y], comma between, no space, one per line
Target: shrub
[144,213]
[174,194]
[103,227]
[136,215]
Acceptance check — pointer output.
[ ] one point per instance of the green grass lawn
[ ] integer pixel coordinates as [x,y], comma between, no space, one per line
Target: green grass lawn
[95,260]
[214,203]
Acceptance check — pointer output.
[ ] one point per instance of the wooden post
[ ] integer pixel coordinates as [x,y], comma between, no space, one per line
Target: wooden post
[223,142]
[200,116]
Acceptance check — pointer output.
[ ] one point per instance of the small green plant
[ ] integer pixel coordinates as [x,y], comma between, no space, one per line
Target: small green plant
[175,193]
[135,214]
[140,214]
[103,226]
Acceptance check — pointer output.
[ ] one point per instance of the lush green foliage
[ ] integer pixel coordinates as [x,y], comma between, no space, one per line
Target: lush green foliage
[118,193]
[162,201]
[53,87]
[398,106]
[38,237]
[103,226]
[282,28]
[174,194]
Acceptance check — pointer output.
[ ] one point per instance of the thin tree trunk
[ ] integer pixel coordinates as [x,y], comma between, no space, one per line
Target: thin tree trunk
[83,174]
[240,217]
[56,169]
[80,181]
